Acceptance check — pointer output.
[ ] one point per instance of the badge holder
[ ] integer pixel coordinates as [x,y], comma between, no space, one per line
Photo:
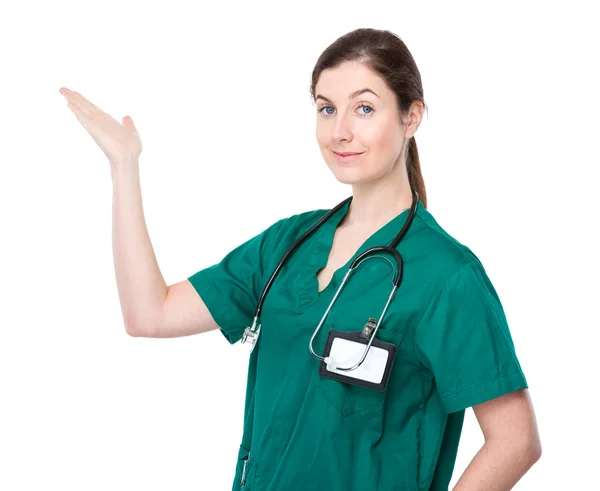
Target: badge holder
[347,349]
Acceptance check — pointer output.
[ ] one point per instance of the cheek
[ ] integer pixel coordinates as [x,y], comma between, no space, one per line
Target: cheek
[322,135]
[379,139]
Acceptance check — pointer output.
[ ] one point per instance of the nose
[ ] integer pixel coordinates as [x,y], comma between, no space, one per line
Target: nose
[342,129]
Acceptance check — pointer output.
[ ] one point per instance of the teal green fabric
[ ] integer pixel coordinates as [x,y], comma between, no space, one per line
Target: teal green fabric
[304,432]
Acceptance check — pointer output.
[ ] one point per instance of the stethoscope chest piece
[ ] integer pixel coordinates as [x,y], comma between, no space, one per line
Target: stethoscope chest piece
[250,335]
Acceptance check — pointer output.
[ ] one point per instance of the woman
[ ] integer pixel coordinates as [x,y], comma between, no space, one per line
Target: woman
[449,338]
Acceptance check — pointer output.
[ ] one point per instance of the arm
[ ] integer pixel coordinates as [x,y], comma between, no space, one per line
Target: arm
[149,307]
[142,289]
[512,444]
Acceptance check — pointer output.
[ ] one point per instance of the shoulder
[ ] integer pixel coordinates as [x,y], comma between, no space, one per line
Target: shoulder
[288,228]
[295,225]
[443,252]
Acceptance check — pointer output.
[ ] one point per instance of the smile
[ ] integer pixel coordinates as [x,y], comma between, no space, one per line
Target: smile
[347,158]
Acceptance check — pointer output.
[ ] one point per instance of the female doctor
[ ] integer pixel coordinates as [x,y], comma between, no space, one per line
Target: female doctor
[442,335]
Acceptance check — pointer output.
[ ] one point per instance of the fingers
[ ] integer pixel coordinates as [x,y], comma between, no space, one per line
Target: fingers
[79,114]
[78,98]
[85,106]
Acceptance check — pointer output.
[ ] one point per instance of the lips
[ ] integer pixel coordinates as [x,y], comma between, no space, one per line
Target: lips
[347,157]
[345,154]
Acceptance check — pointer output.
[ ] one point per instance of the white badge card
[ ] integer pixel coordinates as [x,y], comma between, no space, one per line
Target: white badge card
[345,349]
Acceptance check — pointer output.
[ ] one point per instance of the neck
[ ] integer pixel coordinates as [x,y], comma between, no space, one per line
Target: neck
[376,203]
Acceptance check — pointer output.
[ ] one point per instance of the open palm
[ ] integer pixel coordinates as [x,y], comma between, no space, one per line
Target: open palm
[120,142]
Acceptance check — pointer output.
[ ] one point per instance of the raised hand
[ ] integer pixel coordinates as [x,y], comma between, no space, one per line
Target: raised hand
[120,142]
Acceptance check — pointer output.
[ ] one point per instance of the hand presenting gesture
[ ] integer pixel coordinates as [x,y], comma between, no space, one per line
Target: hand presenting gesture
[121,143]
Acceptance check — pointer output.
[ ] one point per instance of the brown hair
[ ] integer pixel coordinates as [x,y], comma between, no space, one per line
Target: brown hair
[384,53]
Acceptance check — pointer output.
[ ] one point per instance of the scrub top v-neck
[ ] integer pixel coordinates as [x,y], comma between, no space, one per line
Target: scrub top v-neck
[319,248]
[453,350]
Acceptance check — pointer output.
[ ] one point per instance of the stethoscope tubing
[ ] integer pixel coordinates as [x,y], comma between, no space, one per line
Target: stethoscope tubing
[391,249]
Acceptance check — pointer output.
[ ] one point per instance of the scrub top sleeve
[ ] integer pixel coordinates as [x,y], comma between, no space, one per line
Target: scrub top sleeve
[231,288]
[464,340]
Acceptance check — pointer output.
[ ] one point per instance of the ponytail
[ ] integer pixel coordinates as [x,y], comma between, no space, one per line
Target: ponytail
[413,168]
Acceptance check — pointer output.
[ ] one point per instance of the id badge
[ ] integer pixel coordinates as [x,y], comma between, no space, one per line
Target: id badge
[347,348]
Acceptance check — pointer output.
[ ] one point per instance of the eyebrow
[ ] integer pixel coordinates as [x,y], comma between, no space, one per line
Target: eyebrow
[352,96]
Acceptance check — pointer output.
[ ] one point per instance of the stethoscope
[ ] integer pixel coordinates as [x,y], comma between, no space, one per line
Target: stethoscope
[251,333]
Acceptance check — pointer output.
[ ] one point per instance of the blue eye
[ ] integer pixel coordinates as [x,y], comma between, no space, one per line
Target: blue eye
[328,114]
[325,107]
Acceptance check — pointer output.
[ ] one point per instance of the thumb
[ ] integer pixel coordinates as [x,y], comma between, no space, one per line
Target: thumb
[128,123]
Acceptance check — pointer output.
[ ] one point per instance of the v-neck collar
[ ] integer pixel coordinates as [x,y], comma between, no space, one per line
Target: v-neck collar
[322,242]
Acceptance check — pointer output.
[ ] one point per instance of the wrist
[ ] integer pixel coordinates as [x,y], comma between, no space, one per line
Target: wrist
[126,168]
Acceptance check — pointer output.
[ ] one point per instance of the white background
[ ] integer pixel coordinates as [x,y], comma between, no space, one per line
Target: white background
[220,95]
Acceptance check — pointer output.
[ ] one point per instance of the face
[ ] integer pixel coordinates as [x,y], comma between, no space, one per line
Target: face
[351,121]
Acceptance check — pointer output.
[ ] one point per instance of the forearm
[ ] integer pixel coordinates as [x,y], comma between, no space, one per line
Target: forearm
[141,286]
[497,467]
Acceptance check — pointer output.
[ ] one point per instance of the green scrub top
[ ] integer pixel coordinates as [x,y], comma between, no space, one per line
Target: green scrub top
[454,350]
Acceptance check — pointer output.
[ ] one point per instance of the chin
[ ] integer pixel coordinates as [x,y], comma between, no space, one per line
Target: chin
[348,176]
